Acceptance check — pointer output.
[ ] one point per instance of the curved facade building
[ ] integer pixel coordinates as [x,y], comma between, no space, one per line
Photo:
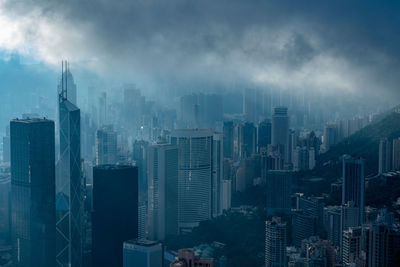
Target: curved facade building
[195,175]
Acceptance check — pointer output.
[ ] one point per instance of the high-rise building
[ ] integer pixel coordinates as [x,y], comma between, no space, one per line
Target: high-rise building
[303,226]
[330,136]
[353,188]
[106,146]
[143,253]
[280,130]
[69,182]
[247,139]
[226,194]
[187,258]
[381,244]
[5,206]
[396,154]
[195,175]
[351,245]
[115,212]
[217,175]
[264,135]
[229,135]
[275,243]
[162,167]
[6,146]
[33,192]
[279,189]
[332,223]
[384,155]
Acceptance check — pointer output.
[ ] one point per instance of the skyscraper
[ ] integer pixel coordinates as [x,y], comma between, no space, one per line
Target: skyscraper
[351,245]
[280,130]
[279,189]
[106,145]
[195,175]
[396,154]
[384,155]
[228,131]
[247,136]
[143,253]
[264,135]
[354,184]
[33,192]
[162,167]
[69,182]
[275,243]
[115,212]
[218,159]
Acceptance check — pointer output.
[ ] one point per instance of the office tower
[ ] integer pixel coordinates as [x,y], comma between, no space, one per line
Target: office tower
[381,244]
[301,159]
[264,135]
[252,107]
[33,192]
[69,182]
[354,184]
[217,173]
[139,156]
[115,212]
[351,245]
[143,253]
[186,258]
[229,135]
[275,243]
[396,155]
[247,139]
[195,175]
[384,155]
[279,189]
[106,145]
[162,167]
[280,131]
[303,226]
[332,222]
[248,172]
[5,203]
[312,206]
[226,194]
[330,136]
[6,146]
[102,109]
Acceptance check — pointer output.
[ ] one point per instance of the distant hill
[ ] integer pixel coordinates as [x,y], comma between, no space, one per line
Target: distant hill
[364,144]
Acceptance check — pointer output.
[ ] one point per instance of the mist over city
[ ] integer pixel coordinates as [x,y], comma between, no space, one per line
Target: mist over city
[199,133]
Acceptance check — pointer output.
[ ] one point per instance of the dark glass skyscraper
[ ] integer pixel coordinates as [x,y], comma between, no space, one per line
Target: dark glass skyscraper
[280,130]
[354,184]
[69,184]
[264,135]
[115,212]
[33,192]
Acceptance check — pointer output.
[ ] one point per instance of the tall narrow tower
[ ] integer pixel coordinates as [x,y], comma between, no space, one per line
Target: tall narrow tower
[69,182]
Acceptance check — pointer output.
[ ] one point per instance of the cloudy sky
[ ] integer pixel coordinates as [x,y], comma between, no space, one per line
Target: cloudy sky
[332,46]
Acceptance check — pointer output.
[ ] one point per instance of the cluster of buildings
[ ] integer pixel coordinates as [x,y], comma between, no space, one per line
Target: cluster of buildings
[105,187]
[302,231]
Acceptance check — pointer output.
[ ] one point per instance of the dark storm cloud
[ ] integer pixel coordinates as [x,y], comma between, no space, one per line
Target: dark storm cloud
[350,45]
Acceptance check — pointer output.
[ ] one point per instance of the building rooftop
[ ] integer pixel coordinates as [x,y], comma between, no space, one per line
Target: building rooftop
[31,120]
[114,167]
[142,242]
[192,133]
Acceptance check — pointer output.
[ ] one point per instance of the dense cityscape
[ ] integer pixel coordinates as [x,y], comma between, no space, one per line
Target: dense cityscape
[200,170]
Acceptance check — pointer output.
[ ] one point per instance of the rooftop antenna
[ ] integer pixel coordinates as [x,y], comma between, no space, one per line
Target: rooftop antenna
[64,81]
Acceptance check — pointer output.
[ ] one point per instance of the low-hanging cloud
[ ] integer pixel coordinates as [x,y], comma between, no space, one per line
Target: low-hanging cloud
[349,46]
